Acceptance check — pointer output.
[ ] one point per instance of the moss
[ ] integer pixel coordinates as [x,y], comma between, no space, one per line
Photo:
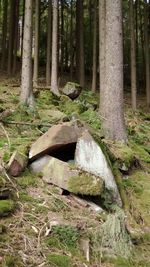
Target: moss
[92,118]
[68,106]
[6,207]
[86,184]
[140,152]
[59,260]
[66,234]
[27,179]
[12,261]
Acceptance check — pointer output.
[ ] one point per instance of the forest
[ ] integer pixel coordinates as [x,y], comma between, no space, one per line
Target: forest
[74,133]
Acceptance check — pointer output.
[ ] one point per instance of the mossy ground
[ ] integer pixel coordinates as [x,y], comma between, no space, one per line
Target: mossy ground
[23,238]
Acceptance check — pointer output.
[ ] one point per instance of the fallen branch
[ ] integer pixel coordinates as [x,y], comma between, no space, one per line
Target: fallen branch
[27,123]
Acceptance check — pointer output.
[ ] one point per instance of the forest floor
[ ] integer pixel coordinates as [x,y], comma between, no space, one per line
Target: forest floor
[26,235]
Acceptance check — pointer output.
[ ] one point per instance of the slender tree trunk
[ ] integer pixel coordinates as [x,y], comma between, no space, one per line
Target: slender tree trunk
[36,43]
[79,43]
[133,57]
[94,75]
[71,41]
[4,34]
[147,51]
[16,36]
[49,38]
[54,69]
[23,11]
[26,75]
[11,36]
[111,105]
[62,36]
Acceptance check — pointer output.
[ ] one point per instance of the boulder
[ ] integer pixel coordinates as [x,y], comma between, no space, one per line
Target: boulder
[90,158]
[75,181]
[57,136]
[17,163]
[72,90]
[38,165]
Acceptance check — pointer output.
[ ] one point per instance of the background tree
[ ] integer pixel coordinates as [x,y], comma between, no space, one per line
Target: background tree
[26,74]
[36,43]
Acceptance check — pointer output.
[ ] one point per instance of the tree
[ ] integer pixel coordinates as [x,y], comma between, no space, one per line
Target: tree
[54,69]
[36,43]
[147,51]
[11,36]
[49,38]
[26,75]
[4,34]
[133,55]
[94,76]
[79,43]
[15,37]
[111,64]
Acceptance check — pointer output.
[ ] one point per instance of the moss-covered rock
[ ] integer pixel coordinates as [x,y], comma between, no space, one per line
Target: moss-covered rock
[6,207]
[68,106]
[86,184]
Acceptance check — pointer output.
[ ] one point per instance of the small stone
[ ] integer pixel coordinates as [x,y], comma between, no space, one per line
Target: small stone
[72,90]
[17,163]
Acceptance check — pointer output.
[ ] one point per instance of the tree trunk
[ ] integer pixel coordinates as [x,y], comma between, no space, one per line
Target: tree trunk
[111,94]
[94,75]
[16,36]
[147,52]
[71,40]
[79,43]
[49,38]
[54,69]
[62,36]
[4,34]
[133,56]
[23,11]
[36,43]
[26,75]
[11,36]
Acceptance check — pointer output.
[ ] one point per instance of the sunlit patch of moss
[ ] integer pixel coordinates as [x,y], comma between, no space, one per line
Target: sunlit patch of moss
[27,179]
[59,260]
[140,152]
[86,184]
[6,207]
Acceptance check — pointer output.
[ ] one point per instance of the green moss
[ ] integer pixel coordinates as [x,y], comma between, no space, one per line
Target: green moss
[6,207]
[91,117]
[59,260]
[68,106]
[85,184]
[12,261]
[140,152]
[67,234]
[27,179]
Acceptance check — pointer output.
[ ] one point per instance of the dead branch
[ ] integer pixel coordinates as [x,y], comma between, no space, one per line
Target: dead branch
[27,123]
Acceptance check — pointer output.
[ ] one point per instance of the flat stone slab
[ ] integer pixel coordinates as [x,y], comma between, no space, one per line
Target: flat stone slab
[75,181]
[56,137]
[90,158]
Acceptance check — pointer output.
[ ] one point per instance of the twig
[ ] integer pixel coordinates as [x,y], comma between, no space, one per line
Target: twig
[6,134]
[28,123]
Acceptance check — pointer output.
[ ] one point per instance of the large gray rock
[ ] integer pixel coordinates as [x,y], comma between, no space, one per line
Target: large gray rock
[65,176]
[72,90]
[56,137]
[38,165]
[90,158]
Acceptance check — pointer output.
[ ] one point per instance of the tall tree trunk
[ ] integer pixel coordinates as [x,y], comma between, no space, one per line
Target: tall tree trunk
[11,36]
[23,11]
[62,36]
[4,34]
[94,75]
[133,56]
[79,43]
[54,69]
[16,36]
[111,95]
[147,51]
[26,75]
[36,43]
[71,40]
[49,38]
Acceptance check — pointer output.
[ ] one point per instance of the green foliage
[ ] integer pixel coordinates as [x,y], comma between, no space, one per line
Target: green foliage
[6,207]
[68,106]
[92,118]
[59,260]
[27,179]
[12,261]
[67,234]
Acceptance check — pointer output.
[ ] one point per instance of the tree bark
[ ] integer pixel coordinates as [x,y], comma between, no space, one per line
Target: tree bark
[147,52]
[54,69]
[111,94]
[36,43]
[79,43]
[4,34]
[49,38]
[11,36]
[94,75]
[16,36]
[71,40]
[26,75]
[133,56]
